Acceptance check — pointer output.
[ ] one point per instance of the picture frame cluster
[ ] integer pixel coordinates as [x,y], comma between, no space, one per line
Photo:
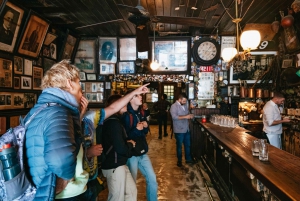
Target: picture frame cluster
[93,91]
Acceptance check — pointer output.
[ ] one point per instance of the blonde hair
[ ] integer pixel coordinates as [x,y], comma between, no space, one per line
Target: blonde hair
[58,75]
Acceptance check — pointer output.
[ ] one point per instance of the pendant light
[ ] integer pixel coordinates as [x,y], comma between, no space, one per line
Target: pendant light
[154,65]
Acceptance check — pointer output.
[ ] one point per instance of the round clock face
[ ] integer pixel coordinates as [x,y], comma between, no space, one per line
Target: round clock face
[207,51]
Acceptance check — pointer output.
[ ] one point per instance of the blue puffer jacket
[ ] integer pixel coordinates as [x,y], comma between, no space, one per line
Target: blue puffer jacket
[51,143]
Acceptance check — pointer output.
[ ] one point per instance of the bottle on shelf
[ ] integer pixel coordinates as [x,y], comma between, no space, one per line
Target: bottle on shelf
[245,116]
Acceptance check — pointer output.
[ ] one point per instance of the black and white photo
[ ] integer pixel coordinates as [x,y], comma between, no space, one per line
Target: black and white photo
[10,21]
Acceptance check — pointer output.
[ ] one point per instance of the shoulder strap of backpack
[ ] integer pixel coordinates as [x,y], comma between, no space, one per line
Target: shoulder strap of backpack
[36,112]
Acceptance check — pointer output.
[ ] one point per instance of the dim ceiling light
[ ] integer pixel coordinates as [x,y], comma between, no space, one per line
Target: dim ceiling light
[177,8]
[194,8]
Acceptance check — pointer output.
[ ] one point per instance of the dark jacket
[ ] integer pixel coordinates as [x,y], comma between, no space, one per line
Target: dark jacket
[114,135]
[51,141]
[131,130]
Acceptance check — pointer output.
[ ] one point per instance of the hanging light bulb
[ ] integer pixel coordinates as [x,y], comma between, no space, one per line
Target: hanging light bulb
[154,65]
[228,53]
[250,40]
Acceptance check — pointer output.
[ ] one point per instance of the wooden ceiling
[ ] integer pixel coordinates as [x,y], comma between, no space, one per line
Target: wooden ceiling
[72,14]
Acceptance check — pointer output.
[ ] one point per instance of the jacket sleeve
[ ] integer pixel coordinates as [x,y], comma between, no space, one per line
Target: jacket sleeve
[131,131]
[60,147]
[120,145]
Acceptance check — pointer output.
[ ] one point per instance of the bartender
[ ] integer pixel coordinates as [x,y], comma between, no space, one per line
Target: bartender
[272,119]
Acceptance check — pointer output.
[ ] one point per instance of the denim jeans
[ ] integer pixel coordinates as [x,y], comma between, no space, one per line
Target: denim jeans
[144,164]
[162,119]
[184,138]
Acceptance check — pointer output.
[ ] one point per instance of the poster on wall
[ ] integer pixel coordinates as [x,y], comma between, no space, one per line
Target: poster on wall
[85,55]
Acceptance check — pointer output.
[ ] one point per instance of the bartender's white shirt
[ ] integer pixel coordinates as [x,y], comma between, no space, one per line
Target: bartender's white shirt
[271,113]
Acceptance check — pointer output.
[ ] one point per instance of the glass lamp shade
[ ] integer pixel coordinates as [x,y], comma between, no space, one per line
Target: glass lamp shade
[228,53]
[154,65]
[250,39]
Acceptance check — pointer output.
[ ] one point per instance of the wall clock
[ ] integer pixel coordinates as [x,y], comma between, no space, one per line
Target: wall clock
[206,51]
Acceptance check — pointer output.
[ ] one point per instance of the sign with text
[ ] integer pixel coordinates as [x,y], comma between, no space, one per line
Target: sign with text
[206,68]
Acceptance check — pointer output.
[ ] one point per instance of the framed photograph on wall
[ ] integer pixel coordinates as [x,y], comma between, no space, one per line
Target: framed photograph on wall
[143,55]
[172,55]
[26,82]
[18,65]
[27,67]
[107,68]
[127,48]
[91,76]
[2,125]
[85,55]
[18,100]
[287,63]
[68,47]
[5,73]
[126,67]
[17,83]
[37,78]
[33,36]
[48,63]
[50,37]
[252,69]
[107,50]
[6,100]
[12,16]
[53,51]
[82,76]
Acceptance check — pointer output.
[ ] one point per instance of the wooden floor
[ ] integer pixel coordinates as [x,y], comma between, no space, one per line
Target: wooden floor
[174,183]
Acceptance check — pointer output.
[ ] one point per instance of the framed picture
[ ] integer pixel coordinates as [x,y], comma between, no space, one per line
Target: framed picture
[85,55]
[12,17]
[27,67]
[6,100]
[287,63]
[18,65]
[91,76]
[172,54]
[29,100]
[37,78]
[33,36]
[82,84]
[50,37]
[16,82]
[68,47]
[127,48]
[108,50]
[14,121]
[5,73]
[53,51]
[25,82]
[82,76]
[48,63]
[143,55]
[126,67]
[107,85]
[252,69]
[18,100]
[191,92]
[107,68]
[46,51]
[2,125]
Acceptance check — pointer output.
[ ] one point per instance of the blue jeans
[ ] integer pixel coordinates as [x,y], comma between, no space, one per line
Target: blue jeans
[184,138]
[144,164]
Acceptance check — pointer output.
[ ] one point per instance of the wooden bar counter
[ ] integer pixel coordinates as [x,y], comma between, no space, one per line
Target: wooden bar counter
[281,174]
